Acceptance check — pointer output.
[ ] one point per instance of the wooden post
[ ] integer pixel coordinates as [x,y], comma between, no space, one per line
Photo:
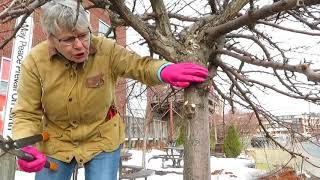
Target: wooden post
[7,166]
[129,128]
[171,122]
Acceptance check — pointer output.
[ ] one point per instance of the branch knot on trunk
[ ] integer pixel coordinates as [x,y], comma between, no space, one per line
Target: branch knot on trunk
[190,109]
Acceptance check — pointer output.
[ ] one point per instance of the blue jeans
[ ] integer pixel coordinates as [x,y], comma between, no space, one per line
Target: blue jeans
[103,166]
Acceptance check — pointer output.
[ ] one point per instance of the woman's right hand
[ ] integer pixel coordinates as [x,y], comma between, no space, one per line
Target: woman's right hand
[32,166]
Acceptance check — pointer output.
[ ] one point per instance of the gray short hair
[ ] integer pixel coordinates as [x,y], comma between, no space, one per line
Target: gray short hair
[59,15]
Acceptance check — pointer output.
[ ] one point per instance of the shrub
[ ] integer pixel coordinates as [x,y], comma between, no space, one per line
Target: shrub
[232,145]
[212,140]
[180,139]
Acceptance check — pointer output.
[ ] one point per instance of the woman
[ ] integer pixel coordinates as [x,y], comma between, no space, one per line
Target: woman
[67,88]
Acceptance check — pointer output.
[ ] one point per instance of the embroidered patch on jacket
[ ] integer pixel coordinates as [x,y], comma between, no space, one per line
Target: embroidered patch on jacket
[95,81]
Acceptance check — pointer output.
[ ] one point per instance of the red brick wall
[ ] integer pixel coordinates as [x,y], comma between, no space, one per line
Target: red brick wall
[95,15]
[121,36]
[5,30]
[38,34]
[121,91]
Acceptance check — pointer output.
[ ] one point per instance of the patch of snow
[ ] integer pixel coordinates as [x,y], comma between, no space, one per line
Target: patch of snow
[224,168]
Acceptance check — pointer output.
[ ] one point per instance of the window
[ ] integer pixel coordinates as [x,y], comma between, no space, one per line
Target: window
[3,87]
[104,28]
[5,73]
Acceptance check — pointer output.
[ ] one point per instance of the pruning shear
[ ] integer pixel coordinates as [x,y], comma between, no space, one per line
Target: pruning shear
[13,147]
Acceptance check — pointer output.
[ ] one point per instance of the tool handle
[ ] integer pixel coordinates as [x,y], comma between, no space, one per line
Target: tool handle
[19,143]
[28,157]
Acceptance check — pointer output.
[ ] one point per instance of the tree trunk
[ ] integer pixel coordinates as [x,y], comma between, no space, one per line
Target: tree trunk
[196,147]
[7,166]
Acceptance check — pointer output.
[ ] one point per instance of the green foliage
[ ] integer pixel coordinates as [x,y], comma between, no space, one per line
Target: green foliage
[181,137]
[232,145]
[212,140]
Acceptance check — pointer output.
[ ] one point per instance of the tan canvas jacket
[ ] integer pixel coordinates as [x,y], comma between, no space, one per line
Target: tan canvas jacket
[70,101]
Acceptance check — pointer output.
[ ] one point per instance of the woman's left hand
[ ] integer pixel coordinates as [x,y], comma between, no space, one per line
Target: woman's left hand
[182,74]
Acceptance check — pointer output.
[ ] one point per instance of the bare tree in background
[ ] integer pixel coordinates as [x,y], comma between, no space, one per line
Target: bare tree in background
[240,41]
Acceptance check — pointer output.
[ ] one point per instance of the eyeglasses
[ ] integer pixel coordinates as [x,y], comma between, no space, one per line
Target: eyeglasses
[83,37]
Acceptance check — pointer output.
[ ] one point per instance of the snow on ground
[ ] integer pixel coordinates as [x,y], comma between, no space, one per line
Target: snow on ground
[225,168]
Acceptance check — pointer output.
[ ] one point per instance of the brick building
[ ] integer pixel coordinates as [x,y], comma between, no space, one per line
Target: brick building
[306,124]
[99,20]
[169,108]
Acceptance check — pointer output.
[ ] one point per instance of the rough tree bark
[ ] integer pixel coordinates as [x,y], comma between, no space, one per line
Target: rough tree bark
[196,147]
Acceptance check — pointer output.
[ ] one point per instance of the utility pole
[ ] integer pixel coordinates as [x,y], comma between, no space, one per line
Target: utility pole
[223,121]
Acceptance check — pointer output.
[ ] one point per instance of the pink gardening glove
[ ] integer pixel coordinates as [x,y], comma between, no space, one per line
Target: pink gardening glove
[35,165]
[182,74]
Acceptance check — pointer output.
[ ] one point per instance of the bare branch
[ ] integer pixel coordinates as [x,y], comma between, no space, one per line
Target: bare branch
[288,29]
[6,41]
[256,111]
[255,15]
[213,6]
[162,19]
[301,68]
[25,9]
[248,80]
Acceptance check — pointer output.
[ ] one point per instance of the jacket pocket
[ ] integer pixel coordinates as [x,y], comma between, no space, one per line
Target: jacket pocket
[95,81]
[110,133]
[52,145]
